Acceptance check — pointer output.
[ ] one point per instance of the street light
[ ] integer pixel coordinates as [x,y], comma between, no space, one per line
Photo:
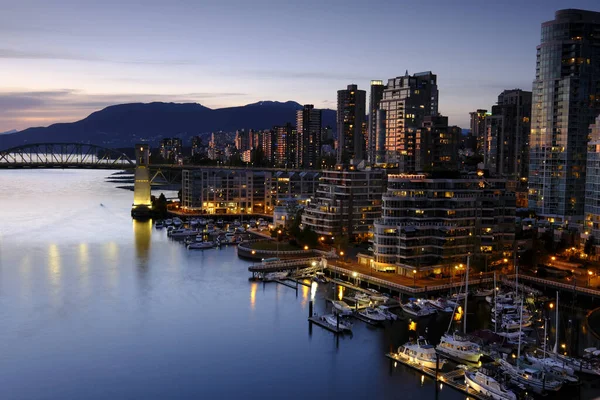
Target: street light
[414,277]
[342,255]
[305,247]
[590,274]
[354,275]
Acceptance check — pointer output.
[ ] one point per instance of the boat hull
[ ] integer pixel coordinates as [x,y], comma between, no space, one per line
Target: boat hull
[494,394]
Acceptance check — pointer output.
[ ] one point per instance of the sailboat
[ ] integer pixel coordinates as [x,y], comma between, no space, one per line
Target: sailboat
[456,346]
[532,378]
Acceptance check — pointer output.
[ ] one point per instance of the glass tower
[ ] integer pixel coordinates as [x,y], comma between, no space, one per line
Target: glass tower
[566,99]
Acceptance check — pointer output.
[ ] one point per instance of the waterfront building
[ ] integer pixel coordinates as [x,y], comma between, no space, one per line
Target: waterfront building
[170,148]
[375,97]
[406,101]
[350,120]
[347,201]
[286,146]
[437,145]
[431,223]
[308,137]
[592,188]
[477,133]
[506,136]
[566,99]
[243,191]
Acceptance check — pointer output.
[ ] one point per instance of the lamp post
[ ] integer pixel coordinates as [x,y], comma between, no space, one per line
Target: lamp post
[354,275]
[278,238]
[590,274]
[341,256]
[415,278]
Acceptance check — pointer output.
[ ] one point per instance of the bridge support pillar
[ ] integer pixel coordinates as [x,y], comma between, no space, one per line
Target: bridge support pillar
[142,205]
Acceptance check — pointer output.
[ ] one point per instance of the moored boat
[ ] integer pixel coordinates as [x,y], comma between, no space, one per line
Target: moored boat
[420,353]
[457,347]
[341,306]
[372,315]
[488,386]
[337,322]
[200,246]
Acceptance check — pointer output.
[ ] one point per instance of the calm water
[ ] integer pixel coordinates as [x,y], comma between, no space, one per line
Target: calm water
[96,306]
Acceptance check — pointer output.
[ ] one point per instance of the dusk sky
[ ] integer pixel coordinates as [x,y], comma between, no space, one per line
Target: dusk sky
[62,60]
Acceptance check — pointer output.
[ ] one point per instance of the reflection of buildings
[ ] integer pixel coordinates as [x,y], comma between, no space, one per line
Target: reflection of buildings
[234,191]
[430,225]
[347,202]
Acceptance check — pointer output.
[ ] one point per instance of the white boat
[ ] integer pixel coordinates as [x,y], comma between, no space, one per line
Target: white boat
[193,223]
[168,221]
[458,347]
[202,221]
[420,353]
[272,276]
[159,225]
[361,298]
[488,386]
[177,221]
[372,315]
[417,310]
[484,292]
[442,305]
[510,324]
[334,322]
[220,223]
[236,223]
[210,228]
[182,233]
[553,366]
[531,378]
[240,229]
[230,238]
[320,277]
[376,296]
[200,245]
[341,306]
[385,311]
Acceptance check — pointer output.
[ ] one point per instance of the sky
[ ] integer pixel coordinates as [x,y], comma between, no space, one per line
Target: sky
[61,60]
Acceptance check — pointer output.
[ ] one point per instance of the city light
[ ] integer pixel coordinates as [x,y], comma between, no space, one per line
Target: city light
[305,247]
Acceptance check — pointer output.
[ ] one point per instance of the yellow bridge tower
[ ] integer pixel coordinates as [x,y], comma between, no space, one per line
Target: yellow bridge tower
[142,205]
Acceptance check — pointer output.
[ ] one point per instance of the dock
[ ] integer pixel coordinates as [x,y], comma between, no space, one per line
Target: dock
[448,378]
[317,321]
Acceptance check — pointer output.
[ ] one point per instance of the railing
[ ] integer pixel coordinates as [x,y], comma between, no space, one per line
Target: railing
[281,265]
[567,286]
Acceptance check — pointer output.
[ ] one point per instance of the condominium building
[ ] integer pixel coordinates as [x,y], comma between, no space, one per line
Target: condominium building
[431,224]
[437,145]
[566,99]
[477,133]
[212,190]
[347,201]
[375,97]
[592,186]
[406,101]
[170,148]
[286,151]
[308,137]
[350,120]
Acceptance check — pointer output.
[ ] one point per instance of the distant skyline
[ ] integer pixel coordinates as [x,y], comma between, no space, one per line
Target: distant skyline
[64,59]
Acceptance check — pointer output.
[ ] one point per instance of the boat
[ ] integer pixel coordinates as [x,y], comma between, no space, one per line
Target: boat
[531,378]
[210,228]
[240,229]
[341,306]
[200,246]
[320,277]
[554,367]
[483,292]
[336,321]
[272,276]
[420,353]
[193,223]
[182,233]
[230,238]
[442,305]
[385,311]
[376,296]
[417,310]
[168,221]
[361,298]
[488,386]
[203,222]
[220,223]
[372,315]
[177,221]
[159,225]
[457,347]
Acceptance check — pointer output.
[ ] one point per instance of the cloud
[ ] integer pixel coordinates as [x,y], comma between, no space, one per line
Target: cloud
[42,55]
[338,76]
[22,109]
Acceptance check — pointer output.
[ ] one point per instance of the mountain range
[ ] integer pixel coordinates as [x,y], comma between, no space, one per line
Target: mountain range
[125,125]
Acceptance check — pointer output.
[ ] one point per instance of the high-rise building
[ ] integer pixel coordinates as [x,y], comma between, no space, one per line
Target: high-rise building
[170,148]
[350,119]
[592,187]
[196,145]
[566,99]
[406,101]
[268,144]
[375,97]
[477,134]
[346,203]
[506,137]
[430,224]
[286,146]
[437,145]
[308,137]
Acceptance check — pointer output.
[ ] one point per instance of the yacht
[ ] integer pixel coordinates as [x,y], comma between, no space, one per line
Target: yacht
[200,245]
[193,223]
[554,367]
[335,322]
[361,298]
[488,386]
[376,296]
[530,378]
[417,310]
[420,353]
[372,315]
[341,306]
[442,305]
[459,348]
[210,228]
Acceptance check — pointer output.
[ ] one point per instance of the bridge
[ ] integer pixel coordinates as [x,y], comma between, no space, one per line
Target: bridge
[64,155]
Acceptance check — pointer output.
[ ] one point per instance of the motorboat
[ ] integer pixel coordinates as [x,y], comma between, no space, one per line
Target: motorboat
[503,298]
[202,222]
[511,324]
[220,223]
[200,246]
[272,276]
[182,233]
[341,306]
[193,223]
[252,223]
[337,321]
[531,378]
[458,297]
[320,277]
[457,347]
[168,221]
[483,292]
[177,221]
[488,386]
[578,365]
[442,305]
[372,315]
[417,310]
[237,223]
[210,228]
[376,296]
[159,225]
[240,229]
[559,370]
[361,298]
[230,238]
[420,353]
[385,311]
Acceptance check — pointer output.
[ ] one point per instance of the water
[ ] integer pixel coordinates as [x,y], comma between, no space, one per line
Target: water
[94,305]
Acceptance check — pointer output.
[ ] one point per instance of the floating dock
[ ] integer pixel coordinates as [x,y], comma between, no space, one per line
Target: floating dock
[323,324]
[448,378]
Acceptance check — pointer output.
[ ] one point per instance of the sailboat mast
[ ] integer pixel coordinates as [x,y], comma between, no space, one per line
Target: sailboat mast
[545,335]
[516,275]
[495,306]
[466,291]
[520,333]
[556,342]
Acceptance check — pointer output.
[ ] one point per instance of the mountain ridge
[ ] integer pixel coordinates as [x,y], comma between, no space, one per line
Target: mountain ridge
[123,125]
